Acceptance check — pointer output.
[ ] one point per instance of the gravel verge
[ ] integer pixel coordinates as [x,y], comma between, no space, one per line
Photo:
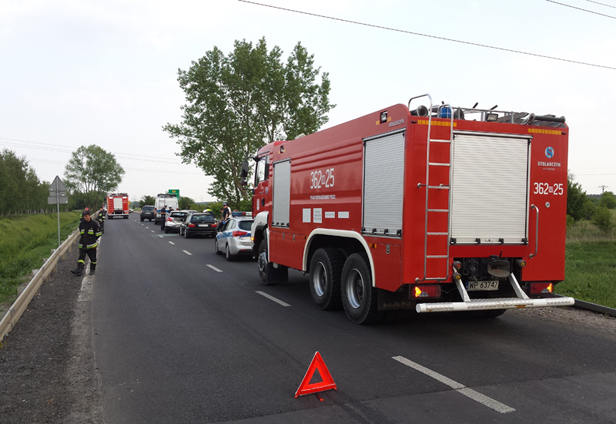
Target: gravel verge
[47,366]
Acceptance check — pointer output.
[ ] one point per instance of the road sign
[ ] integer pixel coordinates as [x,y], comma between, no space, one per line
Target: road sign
[57,185]
[52,200]
[175,191]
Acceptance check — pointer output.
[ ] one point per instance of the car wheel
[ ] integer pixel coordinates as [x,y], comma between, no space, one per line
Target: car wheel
[166,230]
[325,271]
[218,252]
[359,297]
[141,219]
[228,255]
[186,234]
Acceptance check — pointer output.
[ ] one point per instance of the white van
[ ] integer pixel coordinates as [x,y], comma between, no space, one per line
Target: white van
[162,200]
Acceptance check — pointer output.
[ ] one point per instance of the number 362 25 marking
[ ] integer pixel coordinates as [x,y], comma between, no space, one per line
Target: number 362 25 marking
[547,188]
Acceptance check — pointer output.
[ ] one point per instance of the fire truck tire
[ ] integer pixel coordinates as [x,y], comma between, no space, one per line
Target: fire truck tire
[359,297]
[325,271]
[269,275]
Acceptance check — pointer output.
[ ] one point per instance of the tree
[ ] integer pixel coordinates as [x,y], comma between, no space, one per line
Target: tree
[93,172]
[186,203]
[147,200]
[236,104]
[578,203]
[21,190]
[603,219]
[608,200]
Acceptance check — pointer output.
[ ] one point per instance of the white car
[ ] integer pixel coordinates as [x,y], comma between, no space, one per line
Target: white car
[174,220]
[234,239]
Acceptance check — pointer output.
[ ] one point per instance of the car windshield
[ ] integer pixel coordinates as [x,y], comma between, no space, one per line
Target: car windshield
[245,225]
[203,218]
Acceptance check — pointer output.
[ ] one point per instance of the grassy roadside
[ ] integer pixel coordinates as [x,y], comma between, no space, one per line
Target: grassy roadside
[24,241]
[590,269]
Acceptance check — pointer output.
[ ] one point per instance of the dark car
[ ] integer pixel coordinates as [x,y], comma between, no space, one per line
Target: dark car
[199,224]
[148,212]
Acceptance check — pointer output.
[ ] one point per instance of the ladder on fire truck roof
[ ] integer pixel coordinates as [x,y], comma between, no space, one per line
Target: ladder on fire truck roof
[442,255]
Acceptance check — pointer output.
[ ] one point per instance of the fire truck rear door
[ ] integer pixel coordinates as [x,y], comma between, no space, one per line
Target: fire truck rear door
[489,188]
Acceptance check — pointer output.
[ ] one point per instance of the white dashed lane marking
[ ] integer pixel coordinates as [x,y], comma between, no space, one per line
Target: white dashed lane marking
[272,298]
[187,252]
[172,243]
[214,268]
[460,388]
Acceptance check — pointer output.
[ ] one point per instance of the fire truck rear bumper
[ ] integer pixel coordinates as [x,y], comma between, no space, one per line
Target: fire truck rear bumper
[487,304]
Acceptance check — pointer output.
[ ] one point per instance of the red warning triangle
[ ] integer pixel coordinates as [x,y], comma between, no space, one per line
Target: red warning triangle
[305,388]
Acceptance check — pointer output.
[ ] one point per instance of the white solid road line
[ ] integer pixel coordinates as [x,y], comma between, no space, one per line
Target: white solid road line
[280,302]
[476,396]
[187,252]
[172,243]
[214,268]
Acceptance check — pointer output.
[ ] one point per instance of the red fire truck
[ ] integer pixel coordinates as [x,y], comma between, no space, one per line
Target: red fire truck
[117,205]
[435,208]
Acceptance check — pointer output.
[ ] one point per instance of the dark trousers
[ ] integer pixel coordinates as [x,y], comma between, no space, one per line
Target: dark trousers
[82,256]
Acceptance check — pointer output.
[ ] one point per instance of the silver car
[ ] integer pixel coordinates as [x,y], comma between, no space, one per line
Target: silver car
[174,220]
[234,239]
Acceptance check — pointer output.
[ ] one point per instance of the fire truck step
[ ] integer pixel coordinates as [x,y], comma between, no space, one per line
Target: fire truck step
[438,210]
[438,234]
[487,304]
[437,140]
[439,164]
[441,187]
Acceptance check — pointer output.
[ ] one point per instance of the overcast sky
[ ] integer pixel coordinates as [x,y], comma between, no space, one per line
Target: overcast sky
[77,73]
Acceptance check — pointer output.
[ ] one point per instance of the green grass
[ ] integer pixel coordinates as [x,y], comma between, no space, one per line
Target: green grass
[24,241]
[590,269]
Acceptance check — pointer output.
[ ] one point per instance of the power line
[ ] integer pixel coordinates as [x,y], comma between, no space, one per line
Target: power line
[67,149]
[602,4]
[429,36]
[583,10]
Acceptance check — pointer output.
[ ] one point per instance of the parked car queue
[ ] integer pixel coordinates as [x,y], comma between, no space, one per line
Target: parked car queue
[232,239]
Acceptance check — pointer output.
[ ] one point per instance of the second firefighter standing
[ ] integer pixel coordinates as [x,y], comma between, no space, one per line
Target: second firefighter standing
[89,231]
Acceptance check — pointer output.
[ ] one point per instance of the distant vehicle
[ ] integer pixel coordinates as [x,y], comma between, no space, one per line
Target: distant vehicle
[234,239]
[147,212]
[165,200]
[174,220]
[117,204]
[198,223]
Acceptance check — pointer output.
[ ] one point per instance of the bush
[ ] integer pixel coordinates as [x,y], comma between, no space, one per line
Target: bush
[603,219]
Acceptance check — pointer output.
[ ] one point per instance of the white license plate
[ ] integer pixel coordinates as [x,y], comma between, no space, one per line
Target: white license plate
[482,285]
[203,225]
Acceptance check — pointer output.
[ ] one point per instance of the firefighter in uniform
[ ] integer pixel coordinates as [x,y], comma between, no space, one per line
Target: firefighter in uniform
[90,232]
[101,219]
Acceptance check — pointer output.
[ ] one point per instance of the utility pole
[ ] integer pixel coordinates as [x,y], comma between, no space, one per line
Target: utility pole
[603,187]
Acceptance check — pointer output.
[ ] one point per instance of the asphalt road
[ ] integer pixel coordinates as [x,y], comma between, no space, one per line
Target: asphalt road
[183,336]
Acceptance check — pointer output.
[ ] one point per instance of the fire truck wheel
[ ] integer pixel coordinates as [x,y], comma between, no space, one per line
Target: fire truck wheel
[359,298]
[325,271]
[270,275]
[262,262]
